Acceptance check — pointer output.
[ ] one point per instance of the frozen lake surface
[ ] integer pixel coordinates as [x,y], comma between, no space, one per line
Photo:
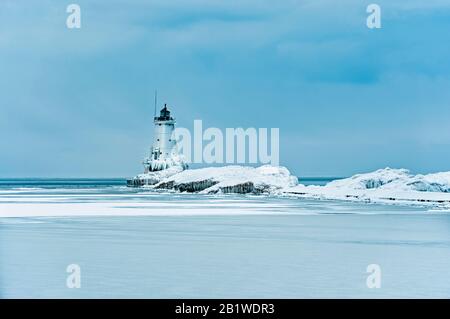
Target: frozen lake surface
[133,243]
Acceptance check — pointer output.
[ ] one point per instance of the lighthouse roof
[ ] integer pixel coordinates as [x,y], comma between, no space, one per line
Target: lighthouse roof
[164,114]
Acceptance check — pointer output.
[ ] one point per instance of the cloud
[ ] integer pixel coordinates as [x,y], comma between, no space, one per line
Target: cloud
[311,68]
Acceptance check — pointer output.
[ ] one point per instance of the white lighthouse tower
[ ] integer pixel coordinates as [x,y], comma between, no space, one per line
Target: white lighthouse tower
[164,159]
[164,152]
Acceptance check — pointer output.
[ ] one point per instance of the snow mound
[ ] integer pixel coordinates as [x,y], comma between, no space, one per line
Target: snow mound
[231,179]
[396,179]
[437,182]
[384,185]
[372,180]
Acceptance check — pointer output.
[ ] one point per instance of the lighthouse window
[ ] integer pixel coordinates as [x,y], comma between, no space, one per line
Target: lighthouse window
[157,139]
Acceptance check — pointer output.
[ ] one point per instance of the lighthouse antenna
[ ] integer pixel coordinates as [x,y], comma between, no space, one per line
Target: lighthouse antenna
[156,101]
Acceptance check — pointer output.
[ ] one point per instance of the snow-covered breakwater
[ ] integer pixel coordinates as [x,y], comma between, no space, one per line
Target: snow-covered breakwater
[381,186]
[231,179]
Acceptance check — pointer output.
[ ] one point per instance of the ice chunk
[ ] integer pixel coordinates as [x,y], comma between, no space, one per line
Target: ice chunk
[372,180]
[384,185]
[438,182]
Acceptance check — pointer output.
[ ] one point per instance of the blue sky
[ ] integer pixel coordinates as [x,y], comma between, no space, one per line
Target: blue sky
[347,99]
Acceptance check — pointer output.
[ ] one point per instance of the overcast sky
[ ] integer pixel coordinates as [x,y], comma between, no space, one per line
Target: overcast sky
[347,99]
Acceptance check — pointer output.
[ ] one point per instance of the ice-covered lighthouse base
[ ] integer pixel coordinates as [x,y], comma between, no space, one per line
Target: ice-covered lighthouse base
[165,163]
[158,170]
[152,178]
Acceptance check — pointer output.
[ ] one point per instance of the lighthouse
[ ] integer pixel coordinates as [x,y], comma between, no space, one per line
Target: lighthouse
[164,159]
[164,151]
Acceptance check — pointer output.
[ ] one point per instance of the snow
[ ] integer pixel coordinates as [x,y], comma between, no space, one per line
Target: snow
[384,186]
[160,175]
[371,180]
[396,179]
[438,182]
[235,179]
[133,206]
[174,160]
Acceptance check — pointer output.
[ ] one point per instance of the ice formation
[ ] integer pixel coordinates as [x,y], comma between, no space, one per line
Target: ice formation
[384,186]
[165,163]
[396,179]
[231,179]
[151,178]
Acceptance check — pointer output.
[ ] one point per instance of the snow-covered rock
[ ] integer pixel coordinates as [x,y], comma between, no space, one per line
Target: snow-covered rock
[396,179]
[384,185]
[438,182]
[372,180]
[231,179]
